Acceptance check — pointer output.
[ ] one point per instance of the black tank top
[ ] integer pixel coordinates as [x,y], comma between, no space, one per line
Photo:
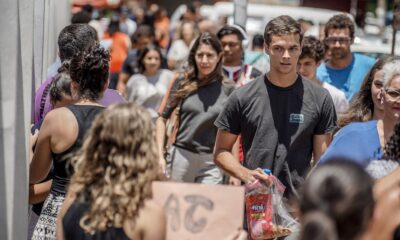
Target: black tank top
[73,231]
[84,115]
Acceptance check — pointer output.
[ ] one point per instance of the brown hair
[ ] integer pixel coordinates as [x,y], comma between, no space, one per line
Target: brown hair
[191,82]
[312,48]
[282,25]
[362,107]
[340,21]
[115,167]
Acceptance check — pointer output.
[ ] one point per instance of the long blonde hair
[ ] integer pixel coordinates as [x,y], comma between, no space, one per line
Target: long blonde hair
[115,167]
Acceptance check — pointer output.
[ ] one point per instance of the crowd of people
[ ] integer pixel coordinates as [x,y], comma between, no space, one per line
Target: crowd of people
[137,100]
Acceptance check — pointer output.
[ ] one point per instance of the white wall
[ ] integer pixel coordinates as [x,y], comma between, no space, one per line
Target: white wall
[28,39]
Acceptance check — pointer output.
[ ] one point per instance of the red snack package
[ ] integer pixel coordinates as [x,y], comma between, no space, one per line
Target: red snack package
[259,214]
[266,215]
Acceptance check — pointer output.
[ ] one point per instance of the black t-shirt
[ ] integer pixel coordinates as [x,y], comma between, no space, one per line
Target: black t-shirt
[197,115]
[278,124]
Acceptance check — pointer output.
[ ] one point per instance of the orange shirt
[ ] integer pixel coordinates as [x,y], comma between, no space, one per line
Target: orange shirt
[118,50]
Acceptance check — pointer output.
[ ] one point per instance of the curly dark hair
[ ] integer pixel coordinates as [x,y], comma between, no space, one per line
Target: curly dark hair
[340,21]
[282,25]
[362,107]
[312,48]
[61,85]
[74,39]
[392,147]
[90,71]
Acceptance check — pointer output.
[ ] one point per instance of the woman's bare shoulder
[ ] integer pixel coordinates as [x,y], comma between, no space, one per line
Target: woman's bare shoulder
[150,223]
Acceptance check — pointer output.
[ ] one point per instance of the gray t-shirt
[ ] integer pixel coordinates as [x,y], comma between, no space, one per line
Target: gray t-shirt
[278,124]
[197,115]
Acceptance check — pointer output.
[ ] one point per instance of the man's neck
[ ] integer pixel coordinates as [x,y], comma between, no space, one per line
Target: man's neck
[282,80]
[232,64]
[341,63]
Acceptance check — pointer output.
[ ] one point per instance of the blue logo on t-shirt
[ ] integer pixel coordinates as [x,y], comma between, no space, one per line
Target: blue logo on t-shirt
[296,118]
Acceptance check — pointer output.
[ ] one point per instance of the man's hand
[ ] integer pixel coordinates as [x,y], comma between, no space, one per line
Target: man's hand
[258,174]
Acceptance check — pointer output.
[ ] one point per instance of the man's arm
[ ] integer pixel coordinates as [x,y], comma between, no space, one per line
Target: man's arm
[224,158]
[320,144]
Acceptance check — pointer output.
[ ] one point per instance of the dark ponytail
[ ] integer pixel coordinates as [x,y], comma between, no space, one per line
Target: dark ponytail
[90,70]
[342,191]
[316,225]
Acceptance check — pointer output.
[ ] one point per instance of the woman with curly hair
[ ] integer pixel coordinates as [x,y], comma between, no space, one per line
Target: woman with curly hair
[198,95]
[367,104]
[110,191]
[63,129]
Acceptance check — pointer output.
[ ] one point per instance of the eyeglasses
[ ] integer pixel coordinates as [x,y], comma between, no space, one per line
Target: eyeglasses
[229,44]
[277,50]
[333,40]
[393,94]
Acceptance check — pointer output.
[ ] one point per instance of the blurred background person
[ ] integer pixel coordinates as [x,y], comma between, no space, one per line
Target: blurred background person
[161,27]
[120,45]
[148,87]
[179,51]
[343,69]
[126,24]
[110,192]
[257,56]
[234,41]
[143,36]
[312,54]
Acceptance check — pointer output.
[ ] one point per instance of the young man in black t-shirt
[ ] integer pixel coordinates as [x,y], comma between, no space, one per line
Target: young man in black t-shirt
[284,120]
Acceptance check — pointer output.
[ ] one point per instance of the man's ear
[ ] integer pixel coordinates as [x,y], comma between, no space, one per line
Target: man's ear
[319,63]
[266,49]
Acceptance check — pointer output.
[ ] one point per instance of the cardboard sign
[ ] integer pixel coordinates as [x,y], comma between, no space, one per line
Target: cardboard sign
[200,211]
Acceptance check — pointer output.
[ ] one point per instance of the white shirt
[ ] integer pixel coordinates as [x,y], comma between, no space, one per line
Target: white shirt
[338,97]
[179,52]
[149,91]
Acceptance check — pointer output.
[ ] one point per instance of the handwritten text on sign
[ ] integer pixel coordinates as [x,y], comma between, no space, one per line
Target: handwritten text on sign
[196,211]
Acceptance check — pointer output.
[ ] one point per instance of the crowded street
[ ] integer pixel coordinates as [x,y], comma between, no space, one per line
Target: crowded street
[181,120]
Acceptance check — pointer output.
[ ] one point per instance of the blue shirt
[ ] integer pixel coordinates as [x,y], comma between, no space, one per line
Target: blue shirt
[357,141]
[350,78]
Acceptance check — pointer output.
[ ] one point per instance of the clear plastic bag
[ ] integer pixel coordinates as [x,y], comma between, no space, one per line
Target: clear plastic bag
[267,216]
